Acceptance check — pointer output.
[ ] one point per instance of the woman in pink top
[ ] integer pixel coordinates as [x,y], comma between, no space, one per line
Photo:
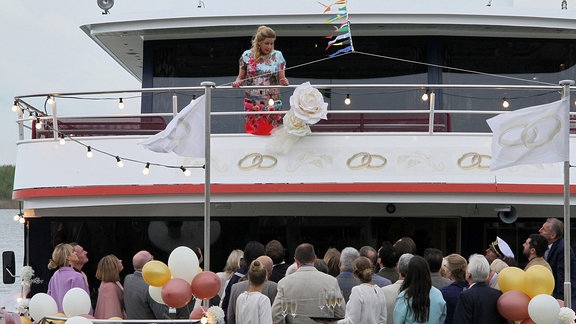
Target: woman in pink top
[110,301]
[65,277]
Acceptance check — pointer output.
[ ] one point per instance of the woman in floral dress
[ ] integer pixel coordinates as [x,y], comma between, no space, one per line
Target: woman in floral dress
[262,65]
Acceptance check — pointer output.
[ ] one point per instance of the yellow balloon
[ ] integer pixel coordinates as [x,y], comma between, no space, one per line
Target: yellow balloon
[512,278]
[539,280]
[156,273]
[25,320]
[115,318]
[58,321]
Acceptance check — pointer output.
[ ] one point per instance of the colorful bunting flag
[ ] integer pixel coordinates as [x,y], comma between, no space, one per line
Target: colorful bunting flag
[340,41]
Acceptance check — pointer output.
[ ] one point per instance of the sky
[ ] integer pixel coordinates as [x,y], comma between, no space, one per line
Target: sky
[45,51]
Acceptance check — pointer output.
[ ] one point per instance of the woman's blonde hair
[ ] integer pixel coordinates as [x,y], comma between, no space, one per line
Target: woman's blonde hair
[60,256]
[233,262]
[108,269]
[262,33]
[456,264]
[363,268]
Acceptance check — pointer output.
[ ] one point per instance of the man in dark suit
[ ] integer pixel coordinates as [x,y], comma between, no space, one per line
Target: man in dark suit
[275,250]
[269,289]
[477,304]
[553,231]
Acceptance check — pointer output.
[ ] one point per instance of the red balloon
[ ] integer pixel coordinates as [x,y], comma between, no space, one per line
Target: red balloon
[176,293]
[198,312]
[513,305]
[205,285]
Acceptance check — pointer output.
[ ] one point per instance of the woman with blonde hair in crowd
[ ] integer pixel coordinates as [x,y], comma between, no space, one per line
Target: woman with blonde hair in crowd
[233,263]
[332,259]
[111,293]
[65,277]
[367,304]
[253,307]
[454,267]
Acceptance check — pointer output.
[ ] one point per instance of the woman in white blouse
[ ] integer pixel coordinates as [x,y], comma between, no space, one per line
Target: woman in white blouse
[367,304]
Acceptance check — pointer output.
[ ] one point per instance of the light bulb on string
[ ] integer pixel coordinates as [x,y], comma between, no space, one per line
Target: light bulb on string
[347,101]
[121,104]
[16,217]
[425,96]
[50,100]
[15,107]
[31,116]
[22,220]
[186,172]
[38,122]
[146,170]
[119,162]
[505,103]
[204,320]
[89,152]
[62,139]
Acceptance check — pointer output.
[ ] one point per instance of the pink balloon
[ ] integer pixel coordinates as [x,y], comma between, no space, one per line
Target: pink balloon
[198,312]
[176,293]
[560,302]
[205,285]
[513,305]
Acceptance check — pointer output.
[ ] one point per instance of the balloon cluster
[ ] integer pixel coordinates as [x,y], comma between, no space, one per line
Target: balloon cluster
[75,304]
[526,295]
[175,284]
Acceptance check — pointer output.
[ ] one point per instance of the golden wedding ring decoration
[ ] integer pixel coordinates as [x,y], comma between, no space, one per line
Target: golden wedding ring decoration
[257,161]
[473,160]
[365,160]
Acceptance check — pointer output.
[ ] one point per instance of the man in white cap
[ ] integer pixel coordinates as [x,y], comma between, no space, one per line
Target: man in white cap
[499,249]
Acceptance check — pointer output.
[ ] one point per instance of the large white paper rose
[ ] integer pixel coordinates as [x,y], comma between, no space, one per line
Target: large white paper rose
[294,125]
[308,104]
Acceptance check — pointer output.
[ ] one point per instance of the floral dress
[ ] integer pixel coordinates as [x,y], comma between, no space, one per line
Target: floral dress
[263,71]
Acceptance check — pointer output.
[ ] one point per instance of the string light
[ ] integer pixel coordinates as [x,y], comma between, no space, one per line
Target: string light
[425,96]
[270,102]
[121,104]
[38,122]
[50,100]
[16,217]
[62,139]
[146,170]
[89,153]
[186,172]
[22,220]
[204,320]
[347,100]
[15,107]
[505,103]
[19,218]
[119,162]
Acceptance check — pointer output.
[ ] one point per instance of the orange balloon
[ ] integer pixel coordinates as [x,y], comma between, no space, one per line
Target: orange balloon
[539,280]
[513,305]
[176,293]
[205,285]
[512,278]
[156,273]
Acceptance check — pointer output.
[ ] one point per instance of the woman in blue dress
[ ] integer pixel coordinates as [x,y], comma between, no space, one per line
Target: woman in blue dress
[262,65]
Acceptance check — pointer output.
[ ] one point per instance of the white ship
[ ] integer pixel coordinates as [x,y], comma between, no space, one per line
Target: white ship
[387,165]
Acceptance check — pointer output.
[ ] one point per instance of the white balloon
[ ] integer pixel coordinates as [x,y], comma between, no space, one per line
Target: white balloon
[76,302]
[183,263]
[543,309]
[42,305]
[156,294]
[78,320]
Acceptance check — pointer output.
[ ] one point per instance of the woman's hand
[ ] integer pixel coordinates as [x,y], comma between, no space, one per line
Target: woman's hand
[284,81]
[237,83]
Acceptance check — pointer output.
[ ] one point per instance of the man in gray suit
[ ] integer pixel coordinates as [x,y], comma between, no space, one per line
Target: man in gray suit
[137,300]
[305,287]
[346,279]
[269,289]
[392,291]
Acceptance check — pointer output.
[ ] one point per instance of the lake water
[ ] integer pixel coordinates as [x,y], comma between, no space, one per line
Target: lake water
[11,239]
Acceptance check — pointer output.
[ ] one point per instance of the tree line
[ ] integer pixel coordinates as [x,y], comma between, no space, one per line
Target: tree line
[6,185]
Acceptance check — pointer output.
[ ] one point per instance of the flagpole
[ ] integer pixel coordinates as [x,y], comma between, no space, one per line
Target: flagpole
[208,85]
[567,285]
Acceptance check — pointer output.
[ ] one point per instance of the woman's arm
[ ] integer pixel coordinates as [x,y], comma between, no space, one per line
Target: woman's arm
[239,78]
[282,78]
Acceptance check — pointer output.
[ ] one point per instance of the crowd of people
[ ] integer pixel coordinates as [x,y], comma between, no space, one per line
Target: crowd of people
[390,285]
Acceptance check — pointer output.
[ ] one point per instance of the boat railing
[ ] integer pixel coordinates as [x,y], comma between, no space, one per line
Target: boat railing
[36,123]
